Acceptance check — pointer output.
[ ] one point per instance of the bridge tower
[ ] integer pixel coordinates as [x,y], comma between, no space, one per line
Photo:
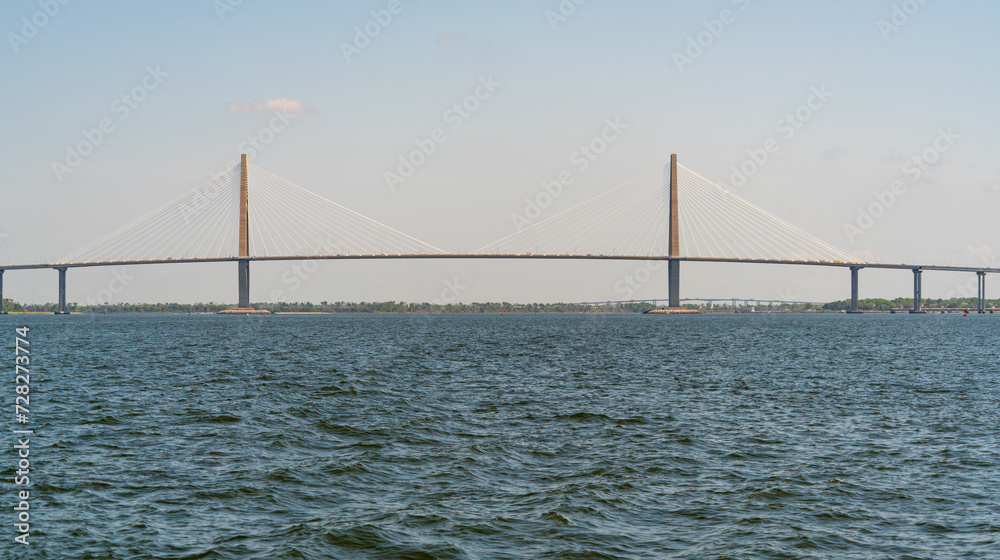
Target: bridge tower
[673,264]
[244,253]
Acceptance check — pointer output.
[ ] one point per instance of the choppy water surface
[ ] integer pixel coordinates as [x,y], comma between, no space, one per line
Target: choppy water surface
[538,436]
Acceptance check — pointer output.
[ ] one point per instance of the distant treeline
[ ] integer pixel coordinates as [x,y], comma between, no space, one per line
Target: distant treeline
[878,304]
[337,307]
[15,307]
[502,307]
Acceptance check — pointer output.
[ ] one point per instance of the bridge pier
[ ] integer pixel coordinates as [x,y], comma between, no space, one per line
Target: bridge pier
[674,282]
[982,291]
[244,237]
[2,312]
[62,291]
[244,281]
[917,303]
[854,289]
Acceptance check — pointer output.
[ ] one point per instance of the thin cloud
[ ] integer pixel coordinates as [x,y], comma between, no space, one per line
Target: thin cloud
[452,37]
[992,187]
[865,255]
[892,156]
[283,104]
[832,154]
[982,252]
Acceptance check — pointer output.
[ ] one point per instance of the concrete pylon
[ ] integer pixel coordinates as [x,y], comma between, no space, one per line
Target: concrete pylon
[2,312]
[243,259]
[674,250]
[674,265]
[244,262]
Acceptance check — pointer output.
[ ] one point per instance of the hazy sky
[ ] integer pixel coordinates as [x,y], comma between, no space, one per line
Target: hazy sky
[899,79]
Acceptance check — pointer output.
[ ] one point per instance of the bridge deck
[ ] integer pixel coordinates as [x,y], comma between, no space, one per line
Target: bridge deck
[897,266]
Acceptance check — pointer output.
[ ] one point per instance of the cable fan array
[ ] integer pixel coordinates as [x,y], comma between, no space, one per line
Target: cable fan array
[284,220]
[715,223]
[287,220]
[202,223]
[630,219]
[633,220]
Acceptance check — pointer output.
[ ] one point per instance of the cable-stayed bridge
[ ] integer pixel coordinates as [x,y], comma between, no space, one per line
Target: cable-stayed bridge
[669,214]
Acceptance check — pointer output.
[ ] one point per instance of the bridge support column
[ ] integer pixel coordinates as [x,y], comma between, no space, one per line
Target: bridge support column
[674,225]
[62,291]
[244,266]
[982,291]
[2,312]
[917,303]
[674,282]
[244,233]
[854,289]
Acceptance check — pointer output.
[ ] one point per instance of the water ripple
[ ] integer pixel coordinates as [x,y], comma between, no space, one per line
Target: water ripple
[487,437]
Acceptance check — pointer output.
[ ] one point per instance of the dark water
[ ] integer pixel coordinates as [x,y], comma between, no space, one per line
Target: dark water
[571,436]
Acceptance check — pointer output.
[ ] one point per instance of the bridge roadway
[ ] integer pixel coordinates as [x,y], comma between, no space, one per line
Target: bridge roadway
[854,266]
[897,266]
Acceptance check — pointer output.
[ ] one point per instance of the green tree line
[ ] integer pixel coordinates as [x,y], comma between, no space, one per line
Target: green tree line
[879,304]
[871,304]
[334,307]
